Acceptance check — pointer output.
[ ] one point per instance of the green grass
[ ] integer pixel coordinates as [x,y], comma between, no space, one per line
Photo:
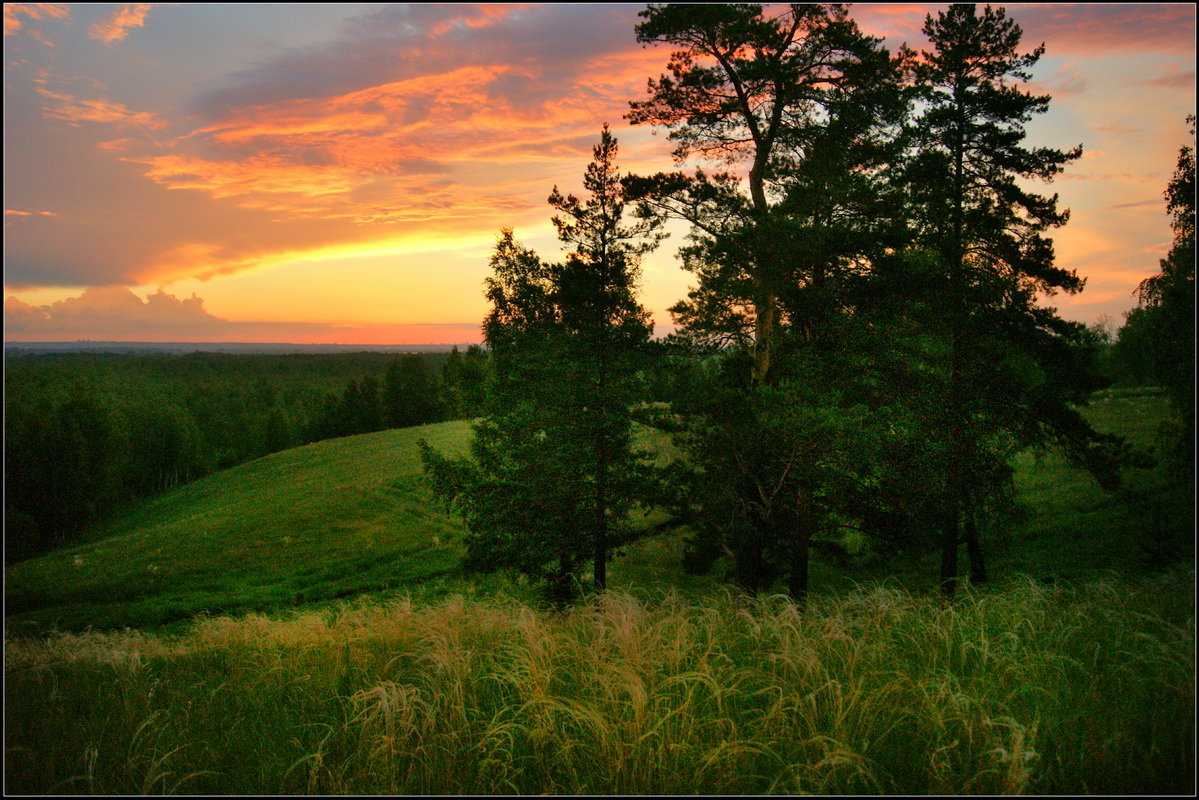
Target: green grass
[328,520]
[1076,528]
[1017,689]
[320,521]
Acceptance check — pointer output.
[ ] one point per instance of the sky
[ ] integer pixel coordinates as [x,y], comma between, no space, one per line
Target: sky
[339,173]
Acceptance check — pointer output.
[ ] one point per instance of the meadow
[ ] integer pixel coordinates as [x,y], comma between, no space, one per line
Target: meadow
[306,630]
[1024,689]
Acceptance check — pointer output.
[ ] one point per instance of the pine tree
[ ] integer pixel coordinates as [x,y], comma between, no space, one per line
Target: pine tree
[1008,367]
[606,333]
[464,379]
[1164,320]
[759,90]
[409,394]
[812,108]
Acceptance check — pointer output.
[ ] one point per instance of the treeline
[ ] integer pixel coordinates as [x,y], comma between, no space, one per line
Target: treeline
[867,312]
[88,434]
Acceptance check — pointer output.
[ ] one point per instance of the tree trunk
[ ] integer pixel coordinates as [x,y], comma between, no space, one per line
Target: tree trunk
[559,589]
[765,303]
[956,262]
[748,558]
[766,313]
[949,551]
[978,568]
[600,573]
[798,581]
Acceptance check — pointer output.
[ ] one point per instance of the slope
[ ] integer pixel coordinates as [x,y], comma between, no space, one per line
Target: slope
[319,521]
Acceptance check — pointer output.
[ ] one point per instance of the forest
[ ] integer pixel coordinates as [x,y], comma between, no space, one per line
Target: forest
[89,435]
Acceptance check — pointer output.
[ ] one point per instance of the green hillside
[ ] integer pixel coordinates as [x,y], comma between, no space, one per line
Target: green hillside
[324,520]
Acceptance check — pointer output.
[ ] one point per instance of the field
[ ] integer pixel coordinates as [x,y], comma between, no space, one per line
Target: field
[359,660]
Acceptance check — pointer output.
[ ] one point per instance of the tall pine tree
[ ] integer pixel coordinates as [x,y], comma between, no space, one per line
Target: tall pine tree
[810,108]
[1008,367]
[757,91]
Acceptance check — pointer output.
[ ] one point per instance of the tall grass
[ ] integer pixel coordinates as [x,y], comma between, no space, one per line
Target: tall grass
[1032,689]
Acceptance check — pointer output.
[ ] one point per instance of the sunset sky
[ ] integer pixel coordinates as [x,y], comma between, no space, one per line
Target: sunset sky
[340,172]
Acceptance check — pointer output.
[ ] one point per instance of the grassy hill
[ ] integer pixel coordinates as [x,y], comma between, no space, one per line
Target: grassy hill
[352,515]
[324,520]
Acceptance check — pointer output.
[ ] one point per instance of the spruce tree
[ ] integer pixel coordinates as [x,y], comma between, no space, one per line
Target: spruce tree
[553,473]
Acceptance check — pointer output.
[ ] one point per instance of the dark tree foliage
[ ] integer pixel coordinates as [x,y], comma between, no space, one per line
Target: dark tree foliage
[554,473]
[812,108]
[464,378]
[518,493]
[794,98]
[1006,370]
[1158,336]
[56,490]
[606,332]
[410,393]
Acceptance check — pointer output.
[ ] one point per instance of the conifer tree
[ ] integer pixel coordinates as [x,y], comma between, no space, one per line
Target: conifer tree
[1008,367]
[757,91]
[409,393]
[810,108]
[463,379]
[553,473]
[1162,326]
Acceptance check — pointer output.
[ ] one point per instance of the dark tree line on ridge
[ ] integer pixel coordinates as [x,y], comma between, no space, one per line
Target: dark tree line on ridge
[868,343]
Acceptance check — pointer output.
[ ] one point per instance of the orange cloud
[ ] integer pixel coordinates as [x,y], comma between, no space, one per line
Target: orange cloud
[74,110]
[404,152]
[117,26]
[13,13]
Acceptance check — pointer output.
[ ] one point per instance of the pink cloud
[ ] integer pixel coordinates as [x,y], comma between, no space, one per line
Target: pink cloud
[1080,29]
[1174,78]
[1102,29]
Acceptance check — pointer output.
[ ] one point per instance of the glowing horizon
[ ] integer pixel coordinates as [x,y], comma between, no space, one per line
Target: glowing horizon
[326,170]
